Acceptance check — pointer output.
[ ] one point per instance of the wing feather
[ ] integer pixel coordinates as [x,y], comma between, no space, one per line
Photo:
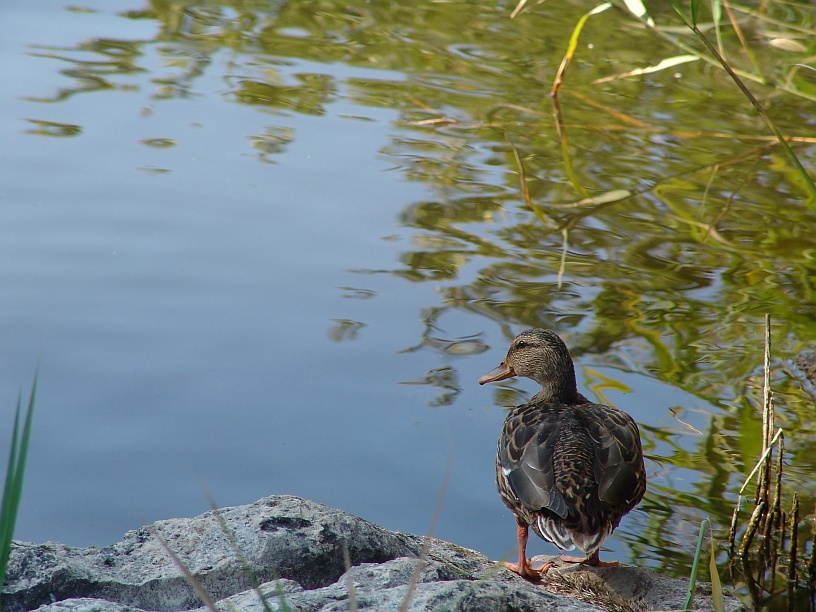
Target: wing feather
[526,458]
[618,464]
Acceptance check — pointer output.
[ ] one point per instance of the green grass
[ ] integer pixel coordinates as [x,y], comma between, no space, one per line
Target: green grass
[13,488]
[716,585]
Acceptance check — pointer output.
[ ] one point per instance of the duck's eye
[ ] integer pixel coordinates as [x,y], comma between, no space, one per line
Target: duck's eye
[521,344]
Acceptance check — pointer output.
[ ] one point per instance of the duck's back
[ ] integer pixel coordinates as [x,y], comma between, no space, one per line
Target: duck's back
[570,471]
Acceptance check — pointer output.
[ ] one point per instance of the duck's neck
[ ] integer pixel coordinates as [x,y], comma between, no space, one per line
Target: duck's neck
[562,390]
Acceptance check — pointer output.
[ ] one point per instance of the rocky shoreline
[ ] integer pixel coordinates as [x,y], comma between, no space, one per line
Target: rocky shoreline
[298,552]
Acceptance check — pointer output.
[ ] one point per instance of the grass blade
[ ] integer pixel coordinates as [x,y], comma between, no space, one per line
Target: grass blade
[563,139]
[695,8]
[717,600]
[202,593]
[637,8]
[426,544]
[245,564]
[15,473]
[679,11]
[716,17]
[8,511]
[665,64]
[352,593]
[573,43]
[693,577]
[525,191]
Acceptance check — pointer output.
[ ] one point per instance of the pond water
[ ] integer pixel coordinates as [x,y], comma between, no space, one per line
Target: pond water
[269,247]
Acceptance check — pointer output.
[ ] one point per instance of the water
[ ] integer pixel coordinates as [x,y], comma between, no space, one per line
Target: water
[241,240]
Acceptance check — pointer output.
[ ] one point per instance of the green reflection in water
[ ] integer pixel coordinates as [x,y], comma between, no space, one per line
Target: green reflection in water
[670,283]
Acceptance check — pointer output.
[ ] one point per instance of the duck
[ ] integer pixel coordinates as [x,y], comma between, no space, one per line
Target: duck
[566,467]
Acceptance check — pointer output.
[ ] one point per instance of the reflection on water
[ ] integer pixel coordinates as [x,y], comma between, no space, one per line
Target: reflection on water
[662,292]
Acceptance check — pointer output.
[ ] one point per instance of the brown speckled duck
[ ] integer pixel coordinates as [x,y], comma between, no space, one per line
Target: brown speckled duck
[566,467]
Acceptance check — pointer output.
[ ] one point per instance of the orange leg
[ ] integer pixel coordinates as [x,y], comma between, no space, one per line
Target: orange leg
[523,567]
[593,560]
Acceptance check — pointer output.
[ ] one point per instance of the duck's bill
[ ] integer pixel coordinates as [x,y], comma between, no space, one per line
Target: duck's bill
[500,373]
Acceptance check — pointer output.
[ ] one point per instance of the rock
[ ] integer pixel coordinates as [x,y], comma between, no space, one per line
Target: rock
[630,588]
[298,552]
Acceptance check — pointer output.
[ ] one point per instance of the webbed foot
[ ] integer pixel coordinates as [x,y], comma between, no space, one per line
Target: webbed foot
[593,560]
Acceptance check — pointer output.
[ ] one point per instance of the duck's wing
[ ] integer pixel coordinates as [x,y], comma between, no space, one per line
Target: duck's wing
[619,469]
[526,458]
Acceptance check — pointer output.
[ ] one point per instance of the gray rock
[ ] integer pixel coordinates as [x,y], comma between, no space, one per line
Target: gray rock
[630,588]
[298,552]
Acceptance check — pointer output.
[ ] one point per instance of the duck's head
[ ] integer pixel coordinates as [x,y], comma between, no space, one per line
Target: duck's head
[541,355]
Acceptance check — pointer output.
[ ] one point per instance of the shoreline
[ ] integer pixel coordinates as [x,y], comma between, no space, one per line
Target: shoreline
[308,556]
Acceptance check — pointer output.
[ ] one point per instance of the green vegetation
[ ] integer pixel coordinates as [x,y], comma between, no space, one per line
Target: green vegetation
[15,473]
[716,586]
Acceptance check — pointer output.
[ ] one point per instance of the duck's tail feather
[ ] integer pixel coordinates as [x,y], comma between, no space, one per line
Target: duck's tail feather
[554,532]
